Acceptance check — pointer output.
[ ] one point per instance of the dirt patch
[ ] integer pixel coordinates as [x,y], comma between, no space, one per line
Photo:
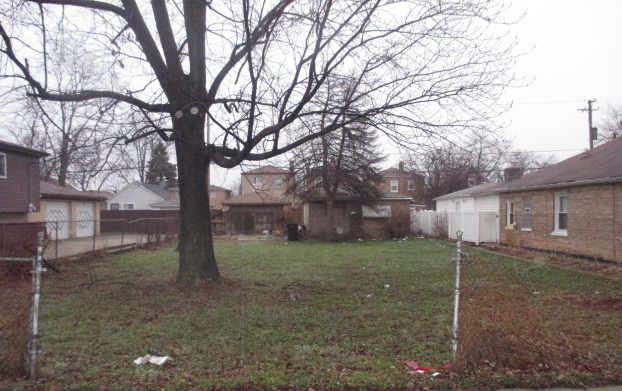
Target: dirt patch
[606,304]
[606,269]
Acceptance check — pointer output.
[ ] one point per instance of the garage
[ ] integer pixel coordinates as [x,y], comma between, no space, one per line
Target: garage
[57,217]
[85,219]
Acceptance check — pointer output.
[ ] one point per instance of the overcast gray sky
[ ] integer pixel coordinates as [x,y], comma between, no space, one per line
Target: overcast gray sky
[577,56]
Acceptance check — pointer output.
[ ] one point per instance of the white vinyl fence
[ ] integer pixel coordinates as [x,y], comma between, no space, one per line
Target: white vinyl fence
[477,227]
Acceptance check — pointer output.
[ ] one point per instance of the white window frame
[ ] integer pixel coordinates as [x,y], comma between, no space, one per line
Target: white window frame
[394,186]
[3,168]
[212,194]
[256,180]
[114,206]
[278,182]
[558,204]
[124,206]
[510,218]
[411,184]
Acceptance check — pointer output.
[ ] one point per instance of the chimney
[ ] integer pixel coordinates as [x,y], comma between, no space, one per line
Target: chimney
[401,166]
[512,173]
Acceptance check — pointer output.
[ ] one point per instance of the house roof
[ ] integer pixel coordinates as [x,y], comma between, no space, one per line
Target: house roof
[473,191]
[53,191]
[266,170]
[160,191]
[395,171]
[602,164]
[18,148]
[395,196]
[256,198]
[346,196]
[216,188]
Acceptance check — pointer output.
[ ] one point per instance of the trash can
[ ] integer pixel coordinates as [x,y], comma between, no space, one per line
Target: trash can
[292,232]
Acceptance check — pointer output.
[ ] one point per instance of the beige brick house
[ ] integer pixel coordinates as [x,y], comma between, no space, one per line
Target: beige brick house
[572,207]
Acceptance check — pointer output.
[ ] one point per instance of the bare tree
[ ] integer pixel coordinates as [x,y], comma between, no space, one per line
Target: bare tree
[454,165]
[78,135]
[254,69]
[477,159]
[342,163]
[611,126]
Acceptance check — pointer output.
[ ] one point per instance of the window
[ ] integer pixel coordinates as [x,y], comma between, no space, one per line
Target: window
[411,184]
[472,180]
[394,187]
[114,206]
[257,180]
[278,182]
[561,214]
[2,165]
[510,213]
[318,181]
[128,206]
[212,194]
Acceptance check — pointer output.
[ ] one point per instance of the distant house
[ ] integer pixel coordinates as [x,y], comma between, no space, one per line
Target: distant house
[263,203]
[217,195]
[267,180]
[396,180]
[351,219]
[572,207]
[138,196]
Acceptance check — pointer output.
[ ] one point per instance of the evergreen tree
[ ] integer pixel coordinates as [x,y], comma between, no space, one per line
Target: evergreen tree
[160,169]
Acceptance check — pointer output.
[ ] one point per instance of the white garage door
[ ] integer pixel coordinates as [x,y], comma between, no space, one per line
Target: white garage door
[57,217]
[85,219]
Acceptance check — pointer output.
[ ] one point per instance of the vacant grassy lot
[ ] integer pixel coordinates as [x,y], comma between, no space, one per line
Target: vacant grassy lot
[323,316]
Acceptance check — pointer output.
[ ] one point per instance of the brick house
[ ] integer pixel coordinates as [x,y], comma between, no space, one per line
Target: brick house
[263,203]
[397,180]
[389,216]
[572,207]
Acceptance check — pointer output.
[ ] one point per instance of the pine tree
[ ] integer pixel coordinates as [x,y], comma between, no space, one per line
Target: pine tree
[160,169]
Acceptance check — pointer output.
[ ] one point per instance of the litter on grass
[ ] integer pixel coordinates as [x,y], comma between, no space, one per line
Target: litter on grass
[416,368]
[157,360]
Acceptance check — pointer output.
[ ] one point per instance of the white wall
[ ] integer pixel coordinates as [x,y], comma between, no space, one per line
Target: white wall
[135,194]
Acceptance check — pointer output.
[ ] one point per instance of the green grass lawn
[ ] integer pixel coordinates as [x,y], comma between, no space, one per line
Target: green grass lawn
[299,316]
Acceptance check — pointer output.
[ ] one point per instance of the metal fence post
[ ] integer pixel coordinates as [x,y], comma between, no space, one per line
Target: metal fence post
[457,258]
[56,240]
[33,342]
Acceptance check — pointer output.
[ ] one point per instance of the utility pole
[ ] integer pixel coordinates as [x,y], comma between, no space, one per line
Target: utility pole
[592,131]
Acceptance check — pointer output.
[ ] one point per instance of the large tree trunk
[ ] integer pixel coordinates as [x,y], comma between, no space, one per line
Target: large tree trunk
[196,249]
